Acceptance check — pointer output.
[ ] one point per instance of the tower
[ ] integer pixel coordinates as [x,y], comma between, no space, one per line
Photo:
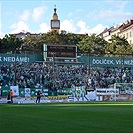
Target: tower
[55,23]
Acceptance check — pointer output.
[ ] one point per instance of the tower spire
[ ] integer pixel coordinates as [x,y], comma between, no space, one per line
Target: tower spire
[55,9]
[55,16]
[55,23]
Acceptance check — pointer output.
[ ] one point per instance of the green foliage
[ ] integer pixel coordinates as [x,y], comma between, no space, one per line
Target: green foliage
[85,44]
[52,37]
[118,45]
[9,43]
[93,44]
[33,44]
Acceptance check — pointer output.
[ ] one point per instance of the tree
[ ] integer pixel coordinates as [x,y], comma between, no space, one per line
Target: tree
[10,44]
[52,37]
[0,43]
[118,45]
[33,44]
[93,44]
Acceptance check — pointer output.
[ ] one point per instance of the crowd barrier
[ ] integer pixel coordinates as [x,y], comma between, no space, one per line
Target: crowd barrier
[74,94]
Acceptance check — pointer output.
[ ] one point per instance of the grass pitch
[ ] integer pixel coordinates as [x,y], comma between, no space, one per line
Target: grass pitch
[92,117]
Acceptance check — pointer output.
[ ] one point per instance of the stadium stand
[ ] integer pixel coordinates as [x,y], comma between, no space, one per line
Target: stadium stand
[54,77]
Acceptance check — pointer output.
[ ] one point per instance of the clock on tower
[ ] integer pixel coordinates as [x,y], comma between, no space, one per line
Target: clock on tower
[55,24]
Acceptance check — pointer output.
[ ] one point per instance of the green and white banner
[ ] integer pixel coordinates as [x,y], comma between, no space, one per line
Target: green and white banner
[106,61]
[64,91]
[5,90]
[27,92]
[20,58]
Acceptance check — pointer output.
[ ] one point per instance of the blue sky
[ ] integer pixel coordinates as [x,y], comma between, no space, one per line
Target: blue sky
[76,16]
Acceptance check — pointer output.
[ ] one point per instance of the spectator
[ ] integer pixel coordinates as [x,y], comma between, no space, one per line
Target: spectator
[38,96]
[32,75]
[11,95]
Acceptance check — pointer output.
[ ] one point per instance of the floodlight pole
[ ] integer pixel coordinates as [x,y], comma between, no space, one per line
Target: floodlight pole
[115,90]
[89,64]
[15,67]
[53,71]
[88,68]
[121,68]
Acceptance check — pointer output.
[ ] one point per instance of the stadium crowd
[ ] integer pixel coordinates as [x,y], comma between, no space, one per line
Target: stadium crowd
[53,77]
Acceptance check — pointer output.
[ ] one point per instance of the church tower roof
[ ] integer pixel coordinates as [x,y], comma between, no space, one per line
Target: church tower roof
[55,16]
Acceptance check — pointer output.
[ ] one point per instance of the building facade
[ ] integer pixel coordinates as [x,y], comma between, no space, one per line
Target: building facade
[123,30]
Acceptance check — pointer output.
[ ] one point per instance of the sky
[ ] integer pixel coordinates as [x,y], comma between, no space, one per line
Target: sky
[76,16]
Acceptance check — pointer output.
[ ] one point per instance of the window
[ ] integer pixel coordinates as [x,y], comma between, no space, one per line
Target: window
[130,34]
[127,35]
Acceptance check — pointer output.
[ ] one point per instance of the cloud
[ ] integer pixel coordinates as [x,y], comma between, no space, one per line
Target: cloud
[81,27]
[44,28]
[68,25]
[79,10]
[19,27]
[22,26]
[70,14]
[119,5]
[97,29]
[110,15]
[0,17]
[115,13]
[1,34]
[25,15]
[38,12]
